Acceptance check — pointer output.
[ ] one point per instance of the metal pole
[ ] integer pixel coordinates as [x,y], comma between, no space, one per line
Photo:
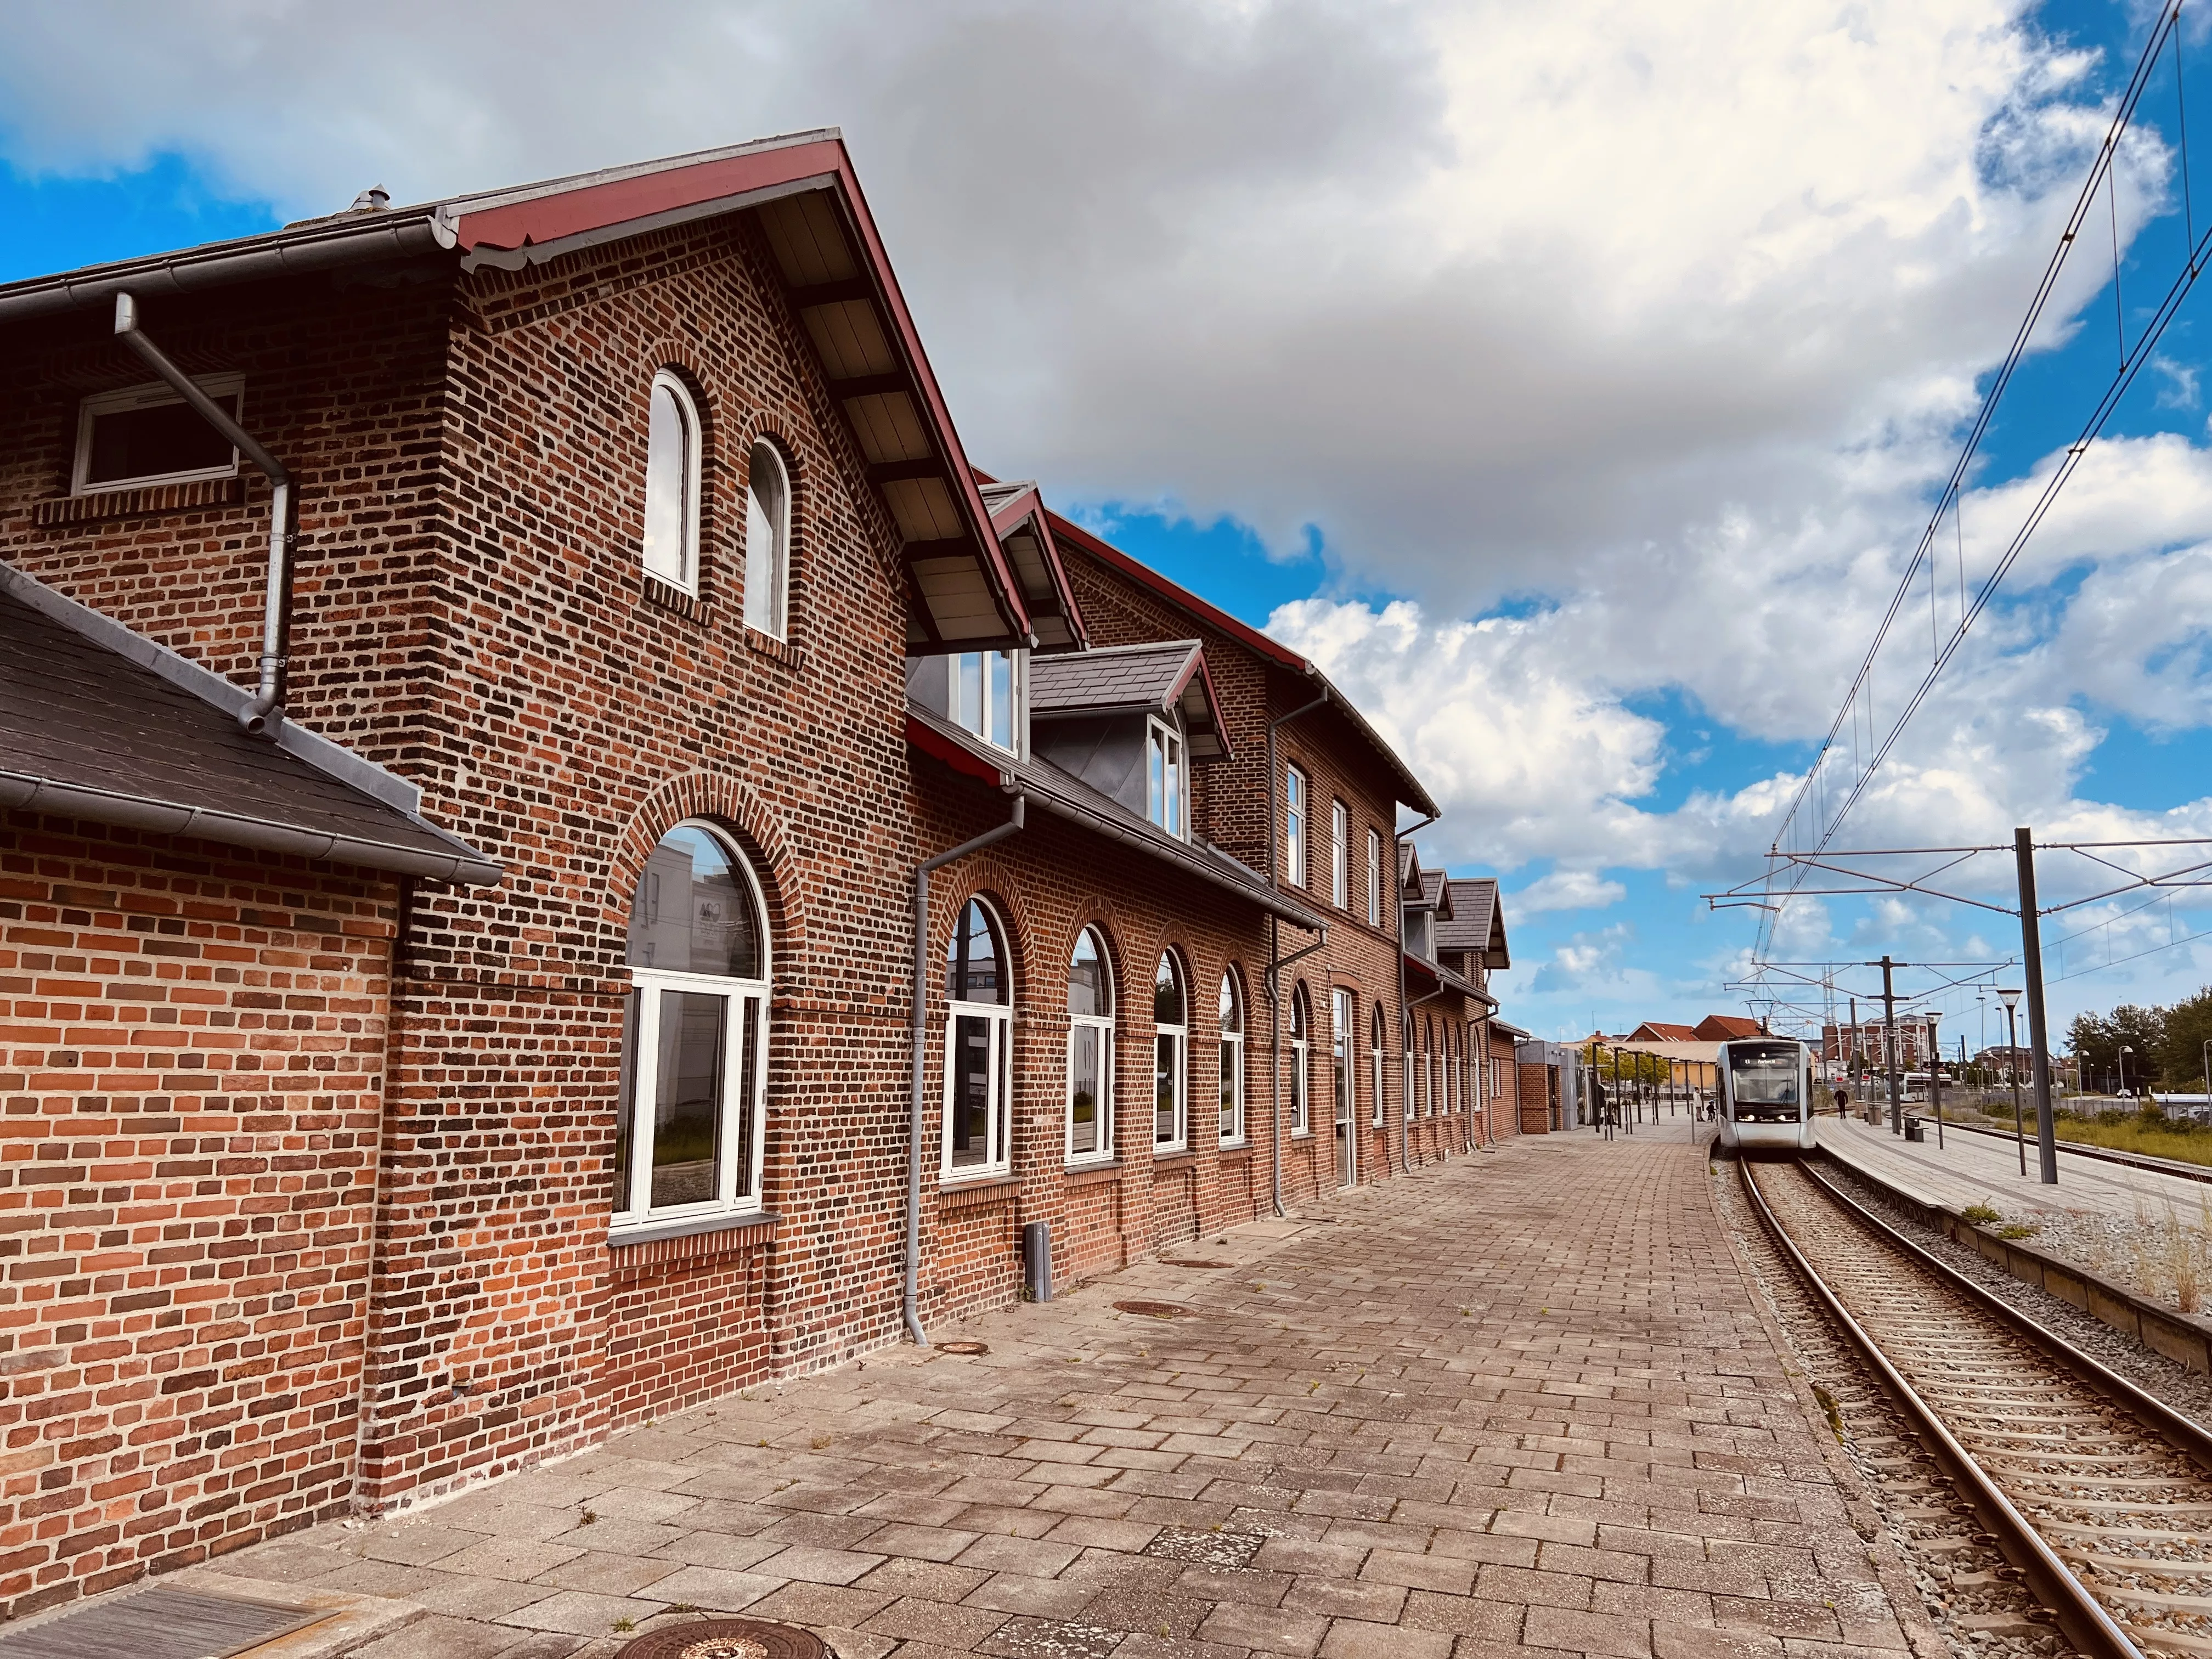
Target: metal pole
[1935,1080]
[2039,1035]
[2012,1071]
[1889,1046]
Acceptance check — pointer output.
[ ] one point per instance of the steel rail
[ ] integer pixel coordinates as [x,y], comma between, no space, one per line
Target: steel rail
[2084,1621]
[2169,1166]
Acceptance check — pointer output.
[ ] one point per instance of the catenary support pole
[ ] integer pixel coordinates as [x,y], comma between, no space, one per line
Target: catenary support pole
[910,1287]
[2038,1033]
[1889,1046]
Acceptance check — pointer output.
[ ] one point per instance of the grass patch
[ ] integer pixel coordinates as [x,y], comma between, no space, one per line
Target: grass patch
[1980,1214]
[2139,1132]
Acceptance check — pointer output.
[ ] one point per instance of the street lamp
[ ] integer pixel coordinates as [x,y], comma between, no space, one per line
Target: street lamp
[1935,1078]
[2011,1000]
[2125,1052]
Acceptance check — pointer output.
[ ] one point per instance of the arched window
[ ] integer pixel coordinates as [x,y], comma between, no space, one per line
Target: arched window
[768,541]
[1375,1061]
[671,484]
[1170,1033]
[1343,1075]
[694,1037]
[978,1045]
[1232,1059]
[1301,1052]
[1429,1066]
[1090,1049]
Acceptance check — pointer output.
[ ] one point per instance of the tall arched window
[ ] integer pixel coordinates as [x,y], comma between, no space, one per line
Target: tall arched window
[1171,1036]
[1090,1049]
[768,541]
[978,1045]
[1375,1061]
[1301,1053]
[695,1040]
[671,484]
[1232,1059]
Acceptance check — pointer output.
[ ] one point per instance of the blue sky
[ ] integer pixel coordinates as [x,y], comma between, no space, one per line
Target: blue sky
[1600,605]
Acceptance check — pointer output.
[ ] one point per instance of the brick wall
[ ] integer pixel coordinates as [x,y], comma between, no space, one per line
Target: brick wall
[192,1045]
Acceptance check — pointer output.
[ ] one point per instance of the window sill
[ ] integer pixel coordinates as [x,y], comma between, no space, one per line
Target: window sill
[667,595]
[977,1191]
[139,502]
[675,1241]
[1175,1159]
[1092,1175]
[782,651]
[1237,1151]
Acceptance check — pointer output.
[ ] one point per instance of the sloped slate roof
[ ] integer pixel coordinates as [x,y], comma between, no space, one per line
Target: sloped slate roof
[1477,924]
[1128,677]
[89,733]
[1437,894]
[1068,797]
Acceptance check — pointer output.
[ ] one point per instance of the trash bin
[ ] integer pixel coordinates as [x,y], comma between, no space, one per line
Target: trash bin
[1874,1111]
[1913,1127]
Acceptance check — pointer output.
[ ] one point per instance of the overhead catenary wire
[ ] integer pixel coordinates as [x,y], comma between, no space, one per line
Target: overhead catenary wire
[1812,787]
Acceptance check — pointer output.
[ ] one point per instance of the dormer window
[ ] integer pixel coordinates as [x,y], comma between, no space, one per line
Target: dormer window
[1167,787]
[1420,931]
[986,696]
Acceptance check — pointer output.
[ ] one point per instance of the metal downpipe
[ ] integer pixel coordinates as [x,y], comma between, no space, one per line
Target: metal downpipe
[1405,1015]
[266,712]
[910,1284]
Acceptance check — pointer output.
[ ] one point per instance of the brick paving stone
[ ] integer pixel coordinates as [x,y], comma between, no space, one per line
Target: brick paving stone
[1599,1456]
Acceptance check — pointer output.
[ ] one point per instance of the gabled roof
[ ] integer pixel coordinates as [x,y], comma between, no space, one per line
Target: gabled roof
[1437,894]
[1017,513]
[101,724]
[1424,978]
[1659,1030]
[1409,873]
[803,195]
[1410,790]
[1477,926]
[1068,797]
[1719,1028]
[1131,679]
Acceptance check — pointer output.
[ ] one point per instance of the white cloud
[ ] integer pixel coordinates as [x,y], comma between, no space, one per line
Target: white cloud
[1566,890]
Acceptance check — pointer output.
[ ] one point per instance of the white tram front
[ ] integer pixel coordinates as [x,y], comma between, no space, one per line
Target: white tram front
[1766,1095]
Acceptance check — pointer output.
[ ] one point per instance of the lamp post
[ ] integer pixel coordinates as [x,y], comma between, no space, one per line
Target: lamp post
[2011,1000]
[2125,1052]
[2208,1074]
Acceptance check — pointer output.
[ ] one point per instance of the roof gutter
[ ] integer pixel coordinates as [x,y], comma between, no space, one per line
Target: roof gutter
[265,714]
[463,868]
[324,246]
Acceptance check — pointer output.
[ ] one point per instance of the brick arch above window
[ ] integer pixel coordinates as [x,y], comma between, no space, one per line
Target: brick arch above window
[996,884]
[732,803]
[800,521]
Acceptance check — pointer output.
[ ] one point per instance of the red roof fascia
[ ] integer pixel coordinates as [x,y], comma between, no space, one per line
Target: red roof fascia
[1144,575]
[938,746]
[1196,668]
[595,207]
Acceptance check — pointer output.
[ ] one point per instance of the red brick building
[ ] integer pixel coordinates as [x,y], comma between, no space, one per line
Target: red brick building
[712,867]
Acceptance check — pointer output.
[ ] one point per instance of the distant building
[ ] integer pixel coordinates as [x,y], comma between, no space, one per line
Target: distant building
[1916,1041]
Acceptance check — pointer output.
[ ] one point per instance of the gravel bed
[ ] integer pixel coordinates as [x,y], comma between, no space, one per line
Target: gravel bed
[2188,1392]
[1977,1601]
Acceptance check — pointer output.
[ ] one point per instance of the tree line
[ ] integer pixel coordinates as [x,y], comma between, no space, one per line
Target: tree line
[2167,1044]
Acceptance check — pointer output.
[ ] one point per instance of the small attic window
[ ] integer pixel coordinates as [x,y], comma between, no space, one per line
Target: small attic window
[146,434]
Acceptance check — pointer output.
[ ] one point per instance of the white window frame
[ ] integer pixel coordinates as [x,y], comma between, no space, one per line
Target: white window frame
[647,984]
[153,394]
[1301,1058]
[1167,799]
[977,722]
[1339,855]
[1298,797]
[687,577]
[1374,878]
[1178,1036]
[1343,1074]
[998,1161]
[772,618]
[1375,1030]
[1103,1026]
[1233,1130]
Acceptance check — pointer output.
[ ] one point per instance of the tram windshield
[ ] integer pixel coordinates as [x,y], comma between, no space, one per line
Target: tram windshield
[1765,1077]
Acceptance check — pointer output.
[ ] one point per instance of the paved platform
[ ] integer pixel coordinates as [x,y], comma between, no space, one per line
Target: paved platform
[1519,1403]
[1974,1169]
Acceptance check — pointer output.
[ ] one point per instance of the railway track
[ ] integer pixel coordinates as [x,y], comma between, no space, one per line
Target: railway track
[2097,1493]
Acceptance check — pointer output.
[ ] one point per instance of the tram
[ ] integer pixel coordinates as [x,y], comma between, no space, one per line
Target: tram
[1766,1095]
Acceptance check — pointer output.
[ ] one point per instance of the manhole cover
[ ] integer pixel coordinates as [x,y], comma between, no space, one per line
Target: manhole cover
[963,1346]
[726,1638]
[1198,1264]
[1155,1309]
